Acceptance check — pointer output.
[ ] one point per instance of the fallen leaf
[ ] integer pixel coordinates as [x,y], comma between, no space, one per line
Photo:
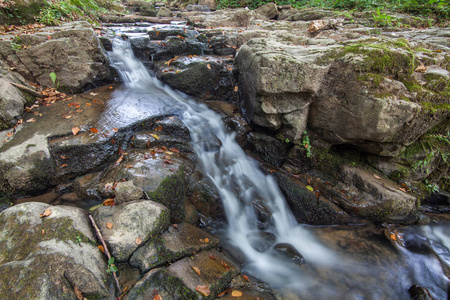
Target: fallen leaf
[9,134]
[49,37]
[376,176]
[108,202]
[209,66]
[64,166]
[421,68]
[78,293]
[175,150]
[393,237]
[32,120]
[236,88]
[101,248]
[157,297]
[43,231]
[203,289]
[225,266]
[236,294]
[245,278]
[115,129]
[109,225]
[155,136]
[138,241]
[222,293]
[88,104]
[309,188]
[175,226]
[63,157]
[119,160]
[67,117]
[212,257]
[110,87]
[75,130]
[93,130]
[46,213]
[197,270]
[206,240]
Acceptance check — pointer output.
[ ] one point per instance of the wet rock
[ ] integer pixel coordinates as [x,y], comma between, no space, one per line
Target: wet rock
[48,257]
[180,280]
[416,292]
[378,199]
[144,8]
[69,44]
[261,240]
[179,241]
[133,224]
[205,198]
[440,198]
[267,148]
[127,192]
[290,253]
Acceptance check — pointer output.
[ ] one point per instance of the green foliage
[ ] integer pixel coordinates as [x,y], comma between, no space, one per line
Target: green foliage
[16,44]
[306,144]
[54,12]
[54,78]
[382,19]
[111,266]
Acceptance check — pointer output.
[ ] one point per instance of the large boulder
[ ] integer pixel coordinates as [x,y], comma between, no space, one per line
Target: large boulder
[71,51]
[128,226]
[375,85]
[52,256]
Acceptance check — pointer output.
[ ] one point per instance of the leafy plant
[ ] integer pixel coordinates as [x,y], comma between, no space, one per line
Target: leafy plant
[16,44]
[54,12]
[54,78]
[78,239]
[306,144]
[111,266]
[382,19]
[431,187]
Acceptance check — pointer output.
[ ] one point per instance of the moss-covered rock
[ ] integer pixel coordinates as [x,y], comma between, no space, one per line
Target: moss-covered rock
[46,257]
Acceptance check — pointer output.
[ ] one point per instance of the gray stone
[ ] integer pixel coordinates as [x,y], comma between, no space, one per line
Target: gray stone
[46,257]
[133,224]
[127,191]
[164,12]
[179,241]
[268,10]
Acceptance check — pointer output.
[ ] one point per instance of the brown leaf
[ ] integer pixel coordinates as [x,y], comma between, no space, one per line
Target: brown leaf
[157,297]
[225,266]
[236,88]
[101,248]
[46,213]
[93,130]
[129,166]
[138,241]
[203,289]
[421,68]
[197,270]
[32,120]
[175,150]
[222,293]
[209,66]
[119,160]
[109,225]
[78,293]
[75,130]
[236,294]
[376,176]
[175,226]
[108,202]
[212,257]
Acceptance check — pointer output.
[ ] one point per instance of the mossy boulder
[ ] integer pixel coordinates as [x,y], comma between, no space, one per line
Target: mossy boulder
[47,257]
[133,224]
[178,241]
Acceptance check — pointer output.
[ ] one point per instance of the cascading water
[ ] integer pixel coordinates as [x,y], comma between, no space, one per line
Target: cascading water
[239,181]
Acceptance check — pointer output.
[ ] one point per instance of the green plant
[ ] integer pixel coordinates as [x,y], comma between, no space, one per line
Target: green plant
[306,144]
[54,78]
[431,187]
[111,266]
[16,44]
[54,12]
[78,239]
[287,141]
[382,19]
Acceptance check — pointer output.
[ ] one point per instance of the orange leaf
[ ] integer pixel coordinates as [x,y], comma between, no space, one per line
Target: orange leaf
[236,294]
[138,241]
[46,213]
[75,130]
[236,88]
[9,134]
[109,225]
[64,166]
[206,240]
[203,289]
[78,293]
[108,202]
[157,297]
[93,130]
[212,257]
[393,237]
[222,293]
[197,270]
[155,136]
[63,157]
[209,66]
[119,160]
[129,166]
[225,266]
[115,129]
[88,104]
[245,278]
[101,248]
[175,150]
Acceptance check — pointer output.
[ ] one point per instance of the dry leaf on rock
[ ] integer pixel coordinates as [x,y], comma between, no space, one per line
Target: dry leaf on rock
[203,289]
[421,68]
[46,213]
[236,294]
[138,241]
[197,270]
[75,130]
[78,293]
[109,225]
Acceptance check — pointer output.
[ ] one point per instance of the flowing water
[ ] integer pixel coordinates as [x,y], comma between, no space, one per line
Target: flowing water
[342,262]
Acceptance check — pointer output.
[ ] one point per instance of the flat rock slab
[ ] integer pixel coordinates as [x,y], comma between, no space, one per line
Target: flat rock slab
[45,258]
[128,226]
[180,280]
[179,241]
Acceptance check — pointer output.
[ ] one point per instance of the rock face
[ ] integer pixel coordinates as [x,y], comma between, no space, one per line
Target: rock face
[133,224]
[49,257]
[72,52]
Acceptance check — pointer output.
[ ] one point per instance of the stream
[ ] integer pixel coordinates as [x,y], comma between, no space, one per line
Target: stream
[358,261]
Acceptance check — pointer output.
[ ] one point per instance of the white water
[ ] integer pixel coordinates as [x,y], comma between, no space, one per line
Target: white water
[326,275]
[236,176]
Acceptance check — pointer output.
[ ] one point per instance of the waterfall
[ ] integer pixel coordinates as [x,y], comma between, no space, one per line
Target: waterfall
[235,175]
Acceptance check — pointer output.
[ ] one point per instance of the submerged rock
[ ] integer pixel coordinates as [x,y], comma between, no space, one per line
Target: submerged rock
[50,257]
